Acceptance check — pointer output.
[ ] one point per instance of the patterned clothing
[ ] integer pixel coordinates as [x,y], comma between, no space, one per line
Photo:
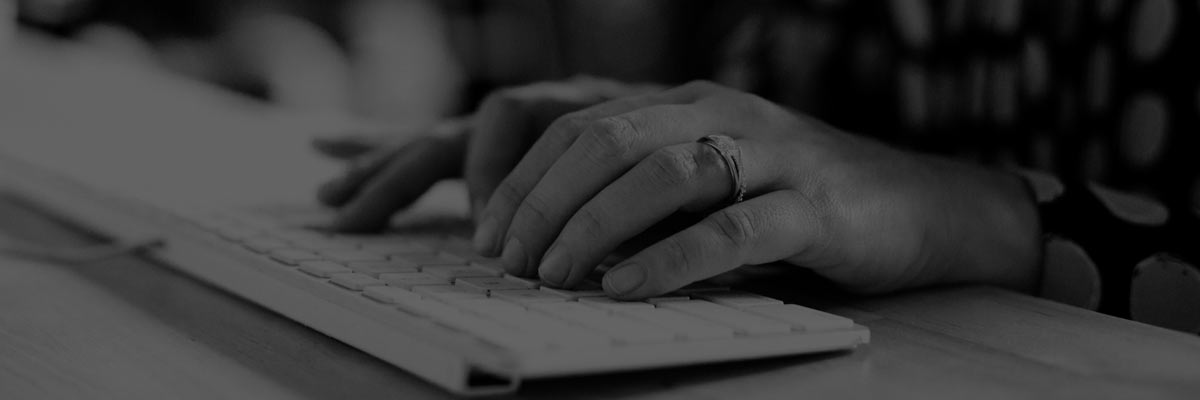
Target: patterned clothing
[1093,92]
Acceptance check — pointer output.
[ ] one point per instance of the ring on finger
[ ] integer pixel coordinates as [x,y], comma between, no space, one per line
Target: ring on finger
[731,154]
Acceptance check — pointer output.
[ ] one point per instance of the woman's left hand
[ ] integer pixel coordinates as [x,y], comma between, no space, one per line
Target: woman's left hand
[868,216]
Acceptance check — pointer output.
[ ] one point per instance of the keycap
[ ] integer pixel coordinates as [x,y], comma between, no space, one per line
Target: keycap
[391,249]
[323,269]
[374,268]
[473,325]
[490,331]
[802,318]
[558,332]
[410,279]
[682,325]
[527,296]
[527,282]
[388,294]
[352,255]
[485,284]
[293,256]
[621,329]
[430,259]
[354,281]
[573,294]
[609,304]
[447,292]
[458,271]
[484,306]
[742,322]
[737,299]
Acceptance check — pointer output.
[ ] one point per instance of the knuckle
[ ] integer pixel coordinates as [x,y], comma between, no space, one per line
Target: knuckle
[681,259]
[535,206]
[736,227]
[569,124]
[613,137]
[589,223]
[674,166]
[507,194]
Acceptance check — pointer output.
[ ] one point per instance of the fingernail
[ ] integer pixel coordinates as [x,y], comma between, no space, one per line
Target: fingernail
[484,240]
[555,266]
[624,279]
[514,257]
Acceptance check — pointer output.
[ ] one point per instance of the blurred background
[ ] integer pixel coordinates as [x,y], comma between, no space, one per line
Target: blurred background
[412,61]
[1103,91]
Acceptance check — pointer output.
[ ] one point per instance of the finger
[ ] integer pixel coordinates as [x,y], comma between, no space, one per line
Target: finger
[681,177]
[345,147]
[559,136]
[606,149]
[405,178]
[503,128]
[497,185]
[767,228]
[336,192]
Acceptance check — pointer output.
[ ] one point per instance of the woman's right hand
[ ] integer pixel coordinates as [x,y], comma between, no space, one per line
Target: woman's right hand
[385,176]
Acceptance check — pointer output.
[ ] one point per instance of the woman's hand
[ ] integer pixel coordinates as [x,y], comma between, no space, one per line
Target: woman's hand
[868,216]
[384,176]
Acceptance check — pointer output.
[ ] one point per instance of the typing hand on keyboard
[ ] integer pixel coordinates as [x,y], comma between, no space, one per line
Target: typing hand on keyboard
[868,216]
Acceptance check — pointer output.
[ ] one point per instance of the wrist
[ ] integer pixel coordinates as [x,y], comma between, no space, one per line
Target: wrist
[995,230]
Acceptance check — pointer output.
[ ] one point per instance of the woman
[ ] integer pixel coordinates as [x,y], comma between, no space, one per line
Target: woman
[562,173]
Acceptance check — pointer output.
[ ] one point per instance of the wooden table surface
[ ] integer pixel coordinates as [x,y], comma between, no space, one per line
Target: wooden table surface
[133,329]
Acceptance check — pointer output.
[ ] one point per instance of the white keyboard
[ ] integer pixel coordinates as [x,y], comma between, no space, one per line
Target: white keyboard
[420,299]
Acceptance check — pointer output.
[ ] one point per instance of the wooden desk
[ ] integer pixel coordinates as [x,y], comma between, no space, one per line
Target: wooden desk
[129,328]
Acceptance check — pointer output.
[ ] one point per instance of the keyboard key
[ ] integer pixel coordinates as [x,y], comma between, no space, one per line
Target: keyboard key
[430,259]
[742,322]
[410,279]
[388,294]
[557,332]
[448,292]
[391,249]
[682,325]
[527,282]
[490,331]
[487,284]
[374,268]
[621,329]
[802,318]
[352,255]
[574,294]
[737,299]
[527,296]
[323,269]
[354,281]
[458,271]
[293,256]
[611,305]
[484,306]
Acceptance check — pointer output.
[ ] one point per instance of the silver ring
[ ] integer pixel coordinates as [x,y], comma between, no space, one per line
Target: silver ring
[732,155]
